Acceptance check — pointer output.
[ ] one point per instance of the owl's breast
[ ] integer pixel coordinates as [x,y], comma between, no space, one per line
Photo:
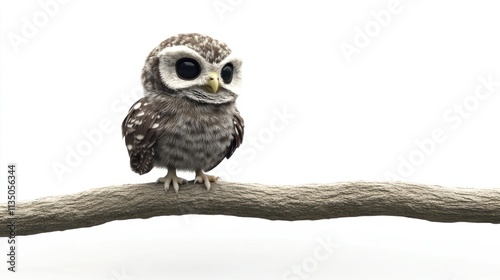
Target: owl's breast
[194,138]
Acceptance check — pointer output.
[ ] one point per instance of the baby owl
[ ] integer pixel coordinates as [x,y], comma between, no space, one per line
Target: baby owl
[187,119]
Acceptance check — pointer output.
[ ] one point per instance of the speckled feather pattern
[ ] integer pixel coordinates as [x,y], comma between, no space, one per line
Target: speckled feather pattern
[180,133]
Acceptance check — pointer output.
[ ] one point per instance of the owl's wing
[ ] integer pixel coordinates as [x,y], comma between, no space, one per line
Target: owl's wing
[237,137]
[239,130]
[139,131]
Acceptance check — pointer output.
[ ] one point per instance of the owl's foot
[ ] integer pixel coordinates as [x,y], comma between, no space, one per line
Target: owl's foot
[205,179]
[171,178]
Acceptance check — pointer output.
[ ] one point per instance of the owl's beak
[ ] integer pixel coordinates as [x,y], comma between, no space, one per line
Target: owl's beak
[213,82]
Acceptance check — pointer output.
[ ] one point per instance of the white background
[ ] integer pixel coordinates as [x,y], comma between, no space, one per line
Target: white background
[352,117]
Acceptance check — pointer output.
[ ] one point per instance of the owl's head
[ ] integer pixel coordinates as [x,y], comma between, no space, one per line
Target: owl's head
[194,66]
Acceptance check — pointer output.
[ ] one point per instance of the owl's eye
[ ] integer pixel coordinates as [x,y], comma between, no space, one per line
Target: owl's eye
[187,68]
[227,73]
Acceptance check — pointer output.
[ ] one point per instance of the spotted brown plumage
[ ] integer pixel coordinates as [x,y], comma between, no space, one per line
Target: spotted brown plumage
[139,131]
[188,118]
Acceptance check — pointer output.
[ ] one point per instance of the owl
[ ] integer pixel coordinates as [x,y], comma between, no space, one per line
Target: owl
[187,119]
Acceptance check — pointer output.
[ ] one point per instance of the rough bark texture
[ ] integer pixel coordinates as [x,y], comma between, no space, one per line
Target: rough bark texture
[304,202]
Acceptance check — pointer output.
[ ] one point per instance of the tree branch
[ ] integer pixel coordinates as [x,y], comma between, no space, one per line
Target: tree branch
[304,202]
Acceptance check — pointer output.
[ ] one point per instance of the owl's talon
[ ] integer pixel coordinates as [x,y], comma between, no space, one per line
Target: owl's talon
[205,179]
[166,184]
[176,186]
[201,180]
[171,178]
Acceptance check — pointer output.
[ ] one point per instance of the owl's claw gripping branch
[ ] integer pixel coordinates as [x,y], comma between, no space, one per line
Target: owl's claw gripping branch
[171,178]
[205,179]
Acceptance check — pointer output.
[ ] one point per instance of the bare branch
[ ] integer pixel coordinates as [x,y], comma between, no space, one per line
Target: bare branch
[304,202]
